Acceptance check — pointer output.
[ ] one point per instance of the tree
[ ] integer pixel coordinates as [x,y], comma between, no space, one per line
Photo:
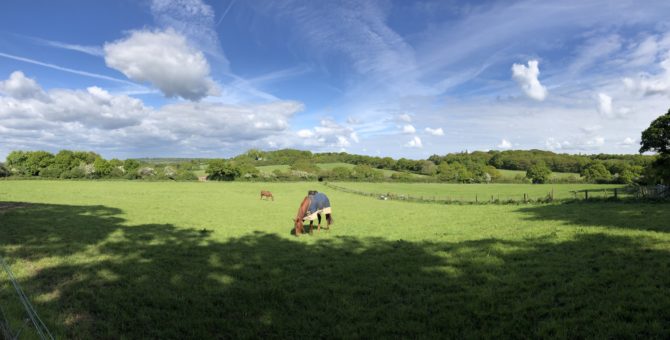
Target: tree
[538,173]
[596,172]
[101,167]
[3,171]
[222,170]
[657,138]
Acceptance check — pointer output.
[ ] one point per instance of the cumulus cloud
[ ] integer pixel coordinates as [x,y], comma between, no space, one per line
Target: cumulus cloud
[504,144]
[305,133]
[20,87]
[415,143]
[166,60]
[193,19]
[554,144]
[95,119]
[604,104]
[405,118]
[606,109]
[648,85]
[435,132]
[327,134]
[92,108]
[628,141]
[526,77]
[408,128]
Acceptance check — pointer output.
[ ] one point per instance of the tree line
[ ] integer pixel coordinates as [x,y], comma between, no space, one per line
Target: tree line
[462,167]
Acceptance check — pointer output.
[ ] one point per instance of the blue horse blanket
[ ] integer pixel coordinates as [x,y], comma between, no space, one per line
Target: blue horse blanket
[319,205]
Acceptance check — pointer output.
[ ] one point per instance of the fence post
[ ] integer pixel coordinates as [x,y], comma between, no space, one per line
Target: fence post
[552,194]
[616,194]
[524,198]
[476,200]
[586,194]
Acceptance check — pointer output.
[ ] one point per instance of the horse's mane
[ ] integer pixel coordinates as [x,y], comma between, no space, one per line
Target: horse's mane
[303,208]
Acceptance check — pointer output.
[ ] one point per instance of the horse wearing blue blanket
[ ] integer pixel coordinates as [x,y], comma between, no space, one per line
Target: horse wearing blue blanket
[311,208]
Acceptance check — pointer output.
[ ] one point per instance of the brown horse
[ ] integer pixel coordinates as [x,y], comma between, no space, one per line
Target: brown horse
[267,195]
[304,210]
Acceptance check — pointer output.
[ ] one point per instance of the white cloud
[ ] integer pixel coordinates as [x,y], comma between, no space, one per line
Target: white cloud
[647,85]
[354,137]
[504,144]
[20,87]
[193,19]
[435,132]
[166,60]
[405,118]
[595,142]
[414,143]
[97,120]
[604,104]
[526,77]
[408,128]
[553,144]
[305,133]
[628,141]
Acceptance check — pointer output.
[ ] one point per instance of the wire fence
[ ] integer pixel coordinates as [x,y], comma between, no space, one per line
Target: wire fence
[41,329]
[628,193]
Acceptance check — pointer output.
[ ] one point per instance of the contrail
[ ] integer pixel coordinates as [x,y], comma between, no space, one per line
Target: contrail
[65,69]
[225,12]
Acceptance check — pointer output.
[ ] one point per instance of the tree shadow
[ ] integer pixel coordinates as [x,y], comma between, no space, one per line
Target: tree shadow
[162,281]
[625,215]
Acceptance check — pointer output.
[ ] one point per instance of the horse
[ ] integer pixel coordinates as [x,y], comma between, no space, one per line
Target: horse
[311,207]
[267,194]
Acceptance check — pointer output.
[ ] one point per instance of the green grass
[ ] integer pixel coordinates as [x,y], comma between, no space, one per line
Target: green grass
[483,192]
[511,174]
[327,166]
[131,260]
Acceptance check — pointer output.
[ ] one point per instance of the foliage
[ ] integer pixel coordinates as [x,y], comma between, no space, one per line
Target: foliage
[4,172]
[538,173]
[597,172]
[657,136]
[222,170]
[365,172]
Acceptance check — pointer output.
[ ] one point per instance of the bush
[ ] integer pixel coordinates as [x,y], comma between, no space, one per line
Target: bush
[538,173]
[4,172]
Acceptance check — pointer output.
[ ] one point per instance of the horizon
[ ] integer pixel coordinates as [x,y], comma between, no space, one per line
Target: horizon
[201,79]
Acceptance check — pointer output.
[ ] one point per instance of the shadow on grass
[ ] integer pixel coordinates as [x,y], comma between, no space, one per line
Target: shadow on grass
[160,281]
[625,215]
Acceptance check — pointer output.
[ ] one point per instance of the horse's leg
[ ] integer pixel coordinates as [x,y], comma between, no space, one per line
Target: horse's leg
[319,227]
[311,226]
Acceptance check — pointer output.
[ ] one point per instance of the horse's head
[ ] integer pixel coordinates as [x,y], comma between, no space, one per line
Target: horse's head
[301,214]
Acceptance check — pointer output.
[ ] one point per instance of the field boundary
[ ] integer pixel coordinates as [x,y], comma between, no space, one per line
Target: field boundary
[435,200]
[605,194]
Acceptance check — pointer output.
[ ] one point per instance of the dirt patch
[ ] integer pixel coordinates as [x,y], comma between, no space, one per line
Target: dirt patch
[7,206]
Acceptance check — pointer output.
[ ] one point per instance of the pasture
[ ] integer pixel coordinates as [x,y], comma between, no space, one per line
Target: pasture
[484,192]
[211,260]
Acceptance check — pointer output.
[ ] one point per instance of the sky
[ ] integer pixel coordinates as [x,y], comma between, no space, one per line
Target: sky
[195,78]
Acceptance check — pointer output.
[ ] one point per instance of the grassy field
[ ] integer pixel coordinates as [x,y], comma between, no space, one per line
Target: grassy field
[211,260]
[511,174]
[483,192]
[327,166]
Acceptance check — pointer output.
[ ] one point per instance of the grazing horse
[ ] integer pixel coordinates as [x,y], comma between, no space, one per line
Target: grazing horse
[267,195]
[311,208]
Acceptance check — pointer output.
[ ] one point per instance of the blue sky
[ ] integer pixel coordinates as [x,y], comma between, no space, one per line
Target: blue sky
[193,78]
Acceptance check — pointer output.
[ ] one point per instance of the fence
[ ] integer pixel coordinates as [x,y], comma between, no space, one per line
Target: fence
[476,198]
[629,193]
